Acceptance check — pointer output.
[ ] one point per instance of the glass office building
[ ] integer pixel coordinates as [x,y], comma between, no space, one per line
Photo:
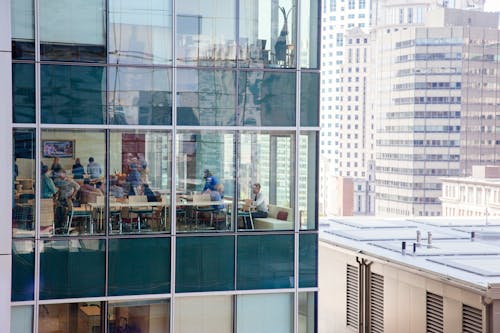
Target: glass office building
[123,113]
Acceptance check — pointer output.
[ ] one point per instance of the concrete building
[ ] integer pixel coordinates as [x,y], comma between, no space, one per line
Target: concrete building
[434,100]
[118,115]
[447,279]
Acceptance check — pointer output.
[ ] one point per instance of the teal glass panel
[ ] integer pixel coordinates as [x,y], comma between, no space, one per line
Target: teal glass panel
[23,270]
[309,99]
[204,264]
[23,93]
[139,266]
[73,94]
[265,262]
[206,97]
[23,29]
[72,268]
[308,260]
[267,98]
[140,96]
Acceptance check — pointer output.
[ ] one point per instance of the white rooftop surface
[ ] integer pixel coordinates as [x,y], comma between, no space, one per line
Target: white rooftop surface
[452,254]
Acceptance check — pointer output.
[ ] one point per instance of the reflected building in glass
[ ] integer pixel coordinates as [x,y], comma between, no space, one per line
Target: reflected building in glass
[138,132]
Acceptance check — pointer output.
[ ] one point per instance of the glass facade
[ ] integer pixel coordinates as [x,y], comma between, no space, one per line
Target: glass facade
[164,166]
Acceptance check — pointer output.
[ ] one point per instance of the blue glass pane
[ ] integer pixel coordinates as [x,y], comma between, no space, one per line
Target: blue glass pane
[72,268]
[23,93]
[204,263]
[308,260]
[139,266]
[73,94]
[265,262]
[309,99]
[23,270]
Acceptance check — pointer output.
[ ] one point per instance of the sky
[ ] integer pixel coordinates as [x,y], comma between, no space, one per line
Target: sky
[492,5]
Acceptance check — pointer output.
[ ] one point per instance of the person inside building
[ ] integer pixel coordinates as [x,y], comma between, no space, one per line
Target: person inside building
[210,181]
[78,170]
[68,190]
[48,189]
[258,201]
[93,169]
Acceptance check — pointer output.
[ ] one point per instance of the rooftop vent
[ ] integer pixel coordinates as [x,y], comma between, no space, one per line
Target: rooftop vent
[434,312]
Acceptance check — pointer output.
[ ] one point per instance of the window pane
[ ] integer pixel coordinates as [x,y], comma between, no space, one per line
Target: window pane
[23,270]
[140,96]
[265,262]
[267,99]
[268,33]
[73,181]
[23,93]
[139,316]
[309,36]
[308,180]
[73,30]
[205,314]
[139,266]
[21,319]
[71,317]
[23,183]
[73,94]
[309,99]
[140,163]
[307,312]
[206,97]
[265,313]
[204,264]
[206,32]
[269,184]
[308,260]
[72,268]
[140,32]
[23,29]
[205,180]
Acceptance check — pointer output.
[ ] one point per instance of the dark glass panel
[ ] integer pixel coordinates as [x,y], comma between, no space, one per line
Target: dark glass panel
[309,99]
[23,93]
[23,270]
[139,266]
[265,262]
[308,260]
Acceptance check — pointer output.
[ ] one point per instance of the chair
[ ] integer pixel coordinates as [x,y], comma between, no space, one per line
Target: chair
[47,226]
[84,212]
[203,199]
[140,210]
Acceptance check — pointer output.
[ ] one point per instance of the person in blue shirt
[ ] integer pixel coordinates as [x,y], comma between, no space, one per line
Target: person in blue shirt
[210,181]
[217,195]
[93,169]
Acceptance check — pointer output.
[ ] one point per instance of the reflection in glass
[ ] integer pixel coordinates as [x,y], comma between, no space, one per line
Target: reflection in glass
[206,32]
[264,313]
[23,183]
[204,314]
[205,181]
[72,182]
[150,316]
[309,36]
[139,266]
[23,270]
[72,268]
[23,93]
[308,260]
[73,30]
[267,159]
[308,180]
[268,33]
[21,319]
[265,262]
[73,94]
[140,96]
[309,99]
[206,97]
[204,264]
[307,312]
[140,32]
[71,317]
[140,179]
[23,29]
[267,98]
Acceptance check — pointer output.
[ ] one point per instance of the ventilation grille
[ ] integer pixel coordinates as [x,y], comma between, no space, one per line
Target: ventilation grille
[352,296]
[434,311]
[376,303]
[472,320]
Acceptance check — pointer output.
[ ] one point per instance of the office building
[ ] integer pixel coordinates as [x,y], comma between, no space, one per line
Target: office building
[431,274]
[434,100]
[118,111]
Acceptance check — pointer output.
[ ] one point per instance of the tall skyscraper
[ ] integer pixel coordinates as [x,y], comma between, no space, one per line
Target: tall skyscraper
[133,132]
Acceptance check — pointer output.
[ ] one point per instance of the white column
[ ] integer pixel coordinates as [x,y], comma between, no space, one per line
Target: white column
[7,165]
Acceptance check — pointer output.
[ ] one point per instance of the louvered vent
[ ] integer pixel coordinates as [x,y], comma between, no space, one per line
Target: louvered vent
[434,311]
[376,303]
[472,320]
[352,296]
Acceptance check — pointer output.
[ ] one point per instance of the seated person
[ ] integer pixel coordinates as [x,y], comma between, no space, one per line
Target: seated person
[115,190]
[217,195]
[210,181]
[146,190]
[133,179]
[259,202]
[88,192]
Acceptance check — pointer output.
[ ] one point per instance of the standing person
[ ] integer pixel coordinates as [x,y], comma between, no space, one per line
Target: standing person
[210,181]
[48,188]
[78,170]
[68,190]
[217,195]
[56,164]
[93,169]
